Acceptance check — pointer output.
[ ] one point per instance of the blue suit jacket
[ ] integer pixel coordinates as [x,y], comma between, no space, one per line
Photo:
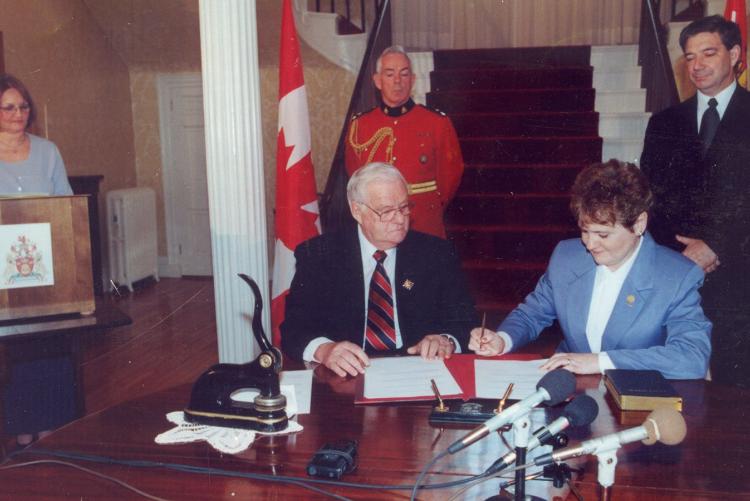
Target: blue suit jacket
[657,322]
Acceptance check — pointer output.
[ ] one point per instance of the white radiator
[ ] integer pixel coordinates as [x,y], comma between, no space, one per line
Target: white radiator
[131,226]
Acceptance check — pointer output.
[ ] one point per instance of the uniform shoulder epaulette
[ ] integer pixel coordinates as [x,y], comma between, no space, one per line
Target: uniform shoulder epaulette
[434,110]
[357,115]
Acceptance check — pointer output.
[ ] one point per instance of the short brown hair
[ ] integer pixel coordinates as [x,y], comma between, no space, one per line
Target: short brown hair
[728,31]
[8,82]
[610,193]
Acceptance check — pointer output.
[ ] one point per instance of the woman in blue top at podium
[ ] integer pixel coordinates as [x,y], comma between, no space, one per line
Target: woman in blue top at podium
[29,165]
[39,391]
[622,300]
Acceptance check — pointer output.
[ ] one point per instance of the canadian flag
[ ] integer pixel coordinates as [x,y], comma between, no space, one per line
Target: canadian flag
[297,214]
[735,12]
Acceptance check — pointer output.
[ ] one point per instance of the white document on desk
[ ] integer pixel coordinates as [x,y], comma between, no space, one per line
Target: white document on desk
[404,377]
[302,382]
[492,377]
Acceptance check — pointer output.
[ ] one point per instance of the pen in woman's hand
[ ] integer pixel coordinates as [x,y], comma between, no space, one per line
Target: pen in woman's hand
[481,331]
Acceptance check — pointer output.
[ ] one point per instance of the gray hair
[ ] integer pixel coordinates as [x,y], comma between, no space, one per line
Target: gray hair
[393,49]
[362,177]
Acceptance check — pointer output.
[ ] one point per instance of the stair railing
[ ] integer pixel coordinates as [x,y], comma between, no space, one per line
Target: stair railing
[695,9]
[346,8]
[334,209]
[657,76]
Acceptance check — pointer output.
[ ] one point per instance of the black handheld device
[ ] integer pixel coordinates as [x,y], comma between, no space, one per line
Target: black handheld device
[334,459]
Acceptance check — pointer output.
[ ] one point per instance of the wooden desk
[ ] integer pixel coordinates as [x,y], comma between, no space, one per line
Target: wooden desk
[395,442]
[106,316]
[64,331]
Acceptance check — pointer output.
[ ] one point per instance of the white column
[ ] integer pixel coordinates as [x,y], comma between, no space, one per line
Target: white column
[234,159]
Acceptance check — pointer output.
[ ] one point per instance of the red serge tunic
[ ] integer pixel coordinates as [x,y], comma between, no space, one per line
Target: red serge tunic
[422,144]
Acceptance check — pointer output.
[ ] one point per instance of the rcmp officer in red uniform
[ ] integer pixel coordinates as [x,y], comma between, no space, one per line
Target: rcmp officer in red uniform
[419,141]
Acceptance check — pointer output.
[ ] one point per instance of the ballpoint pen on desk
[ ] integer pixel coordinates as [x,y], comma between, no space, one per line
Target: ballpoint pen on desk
[441,407]
[501,403]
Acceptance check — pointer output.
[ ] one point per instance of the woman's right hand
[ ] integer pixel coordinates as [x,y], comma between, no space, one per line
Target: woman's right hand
[486,342]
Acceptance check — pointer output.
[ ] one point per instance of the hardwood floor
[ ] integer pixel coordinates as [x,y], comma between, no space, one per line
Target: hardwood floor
[172,340]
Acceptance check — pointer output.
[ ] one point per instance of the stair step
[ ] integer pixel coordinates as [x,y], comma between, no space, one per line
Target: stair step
[508,295]
[631,125]
[504,265]
[627,150]
[612,56]
[550,99]
[582,123]
[511,78]
[495,310]
[528,57]
[527,124]
[499,209]
[620,100]
[519,178]
[620,78]
[580,150]
[489,280]
[513,242]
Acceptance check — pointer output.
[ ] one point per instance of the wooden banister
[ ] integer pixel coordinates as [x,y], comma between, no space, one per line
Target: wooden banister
[657,76]
[334,209]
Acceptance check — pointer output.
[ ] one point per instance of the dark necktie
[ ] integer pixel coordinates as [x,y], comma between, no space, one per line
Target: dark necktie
[709,124]
[381,331]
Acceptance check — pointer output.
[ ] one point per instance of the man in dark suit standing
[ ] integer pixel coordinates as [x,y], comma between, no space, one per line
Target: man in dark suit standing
[697,157]
[377,287]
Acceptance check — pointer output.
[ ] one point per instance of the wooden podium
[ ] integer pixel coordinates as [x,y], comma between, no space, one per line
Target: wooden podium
[70,290]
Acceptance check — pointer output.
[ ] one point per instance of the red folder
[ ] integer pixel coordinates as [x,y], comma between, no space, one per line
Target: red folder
[461,367]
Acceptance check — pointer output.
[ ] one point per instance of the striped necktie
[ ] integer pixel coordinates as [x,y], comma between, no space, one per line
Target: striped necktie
[381,331]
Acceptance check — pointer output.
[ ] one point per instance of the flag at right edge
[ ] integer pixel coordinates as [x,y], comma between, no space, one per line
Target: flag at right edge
[735,11]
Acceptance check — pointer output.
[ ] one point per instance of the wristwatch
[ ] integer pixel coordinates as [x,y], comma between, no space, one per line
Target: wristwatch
[450,339]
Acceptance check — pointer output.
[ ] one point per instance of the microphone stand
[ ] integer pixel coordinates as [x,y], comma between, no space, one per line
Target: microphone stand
[606,472]
[521,432]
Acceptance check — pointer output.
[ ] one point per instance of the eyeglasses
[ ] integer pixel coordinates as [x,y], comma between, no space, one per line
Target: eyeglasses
[387,215]
[9,109]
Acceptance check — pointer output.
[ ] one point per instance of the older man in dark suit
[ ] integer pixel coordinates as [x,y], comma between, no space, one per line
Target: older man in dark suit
[697,157]
[376,288]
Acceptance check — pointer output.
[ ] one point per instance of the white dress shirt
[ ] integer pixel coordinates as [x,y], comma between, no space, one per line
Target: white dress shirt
[722,100]
[368,268]
[607,285]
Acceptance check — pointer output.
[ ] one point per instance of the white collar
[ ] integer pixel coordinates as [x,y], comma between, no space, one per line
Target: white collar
[722,98]
[624,269]
[367,247]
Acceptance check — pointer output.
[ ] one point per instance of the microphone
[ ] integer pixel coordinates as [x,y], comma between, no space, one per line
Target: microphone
[662,425]
[552,388]
[581,411]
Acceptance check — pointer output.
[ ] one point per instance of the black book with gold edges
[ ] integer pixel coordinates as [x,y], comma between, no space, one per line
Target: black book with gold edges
[641,390]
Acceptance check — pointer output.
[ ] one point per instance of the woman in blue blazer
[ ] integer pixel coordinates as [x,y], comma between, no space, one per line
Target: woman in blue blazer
[622,301]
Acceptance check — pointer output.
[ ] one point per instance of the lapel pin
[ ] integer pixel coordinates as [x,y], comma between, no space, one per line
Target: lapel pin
[630,299]
[408,284]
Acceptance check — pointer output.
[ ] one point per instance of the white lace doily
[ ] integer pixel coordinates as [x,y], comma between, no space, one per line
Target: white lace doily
[227,440]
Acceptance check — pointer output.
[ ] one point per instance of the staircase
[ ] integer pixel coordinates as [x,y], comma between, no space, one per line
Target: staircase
[620,101]
[526,122]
